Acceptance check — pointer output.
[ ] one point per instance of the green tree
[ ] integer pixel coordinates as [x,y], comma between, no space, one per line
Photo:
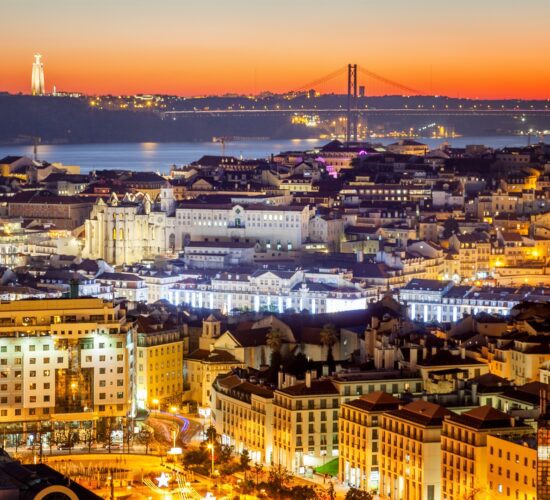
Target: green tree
[278,480]
[450,227]
[244,461]
[257,469]
[357,494]
[328,338]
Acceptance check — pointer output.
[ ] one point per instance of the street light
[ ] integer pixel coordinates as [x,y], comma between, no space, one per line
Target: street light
[156,402]
[210,446]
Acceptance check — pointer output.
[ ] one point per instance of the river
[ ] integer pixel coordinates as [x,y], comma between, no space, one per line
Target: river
[158,157]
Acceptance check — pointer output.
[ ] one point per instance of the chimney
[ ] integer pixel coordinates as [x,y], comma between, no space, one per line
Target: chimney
[462,352]
[474,393]
[359,254]
[308,379]
[280,379]
[434,350]
[414,357]
[211,347]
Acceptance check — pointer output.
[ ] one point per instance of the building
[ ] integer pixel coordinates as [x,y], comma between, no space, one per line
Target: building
[443,301]
[465,467]
[201,368]
[277,290]
[66,212]
[157,361]
[359,439]
[37,77]
[512,467]
[410,451]
[129,230]
[274,227]
[408,147]
[242,412]
[64,361]
[38,481]
[306,413]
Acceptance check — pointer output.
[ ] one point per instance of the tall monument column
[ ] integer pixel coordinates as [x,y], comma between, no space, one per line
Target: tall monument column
[37,78]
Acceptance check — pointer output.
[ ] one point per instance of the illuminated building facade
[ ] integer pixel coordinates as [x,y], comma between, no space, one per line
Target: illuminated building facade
[62,361]
[272,290]
[543,449]
[157,375]
[359,439]
[465,451]
[242,412]
[410,452]
[512,467]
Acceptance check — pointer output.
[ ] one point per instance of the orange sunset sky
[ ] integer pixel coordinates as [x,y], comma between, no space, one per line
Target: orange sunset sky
[465,48]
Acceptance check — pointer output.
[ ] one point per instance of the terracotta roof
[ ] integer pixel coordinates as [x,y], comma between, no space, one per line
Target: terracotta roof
[376,401]
[318,387]
[484,417]
[215,356]
[422,412]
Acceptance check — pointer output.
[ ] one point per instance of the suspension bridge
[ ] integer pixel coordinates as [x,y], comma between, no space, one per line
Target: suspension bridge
[355,104]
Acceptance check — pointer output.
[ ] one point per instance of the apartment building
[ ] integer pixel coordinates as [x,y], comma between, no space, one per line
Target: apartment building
[61,361]
[465,469]
[157,374]
[359,439]
[512,466]
[443,301]
[200,370]
[410,451]
[242,412]
[306,413]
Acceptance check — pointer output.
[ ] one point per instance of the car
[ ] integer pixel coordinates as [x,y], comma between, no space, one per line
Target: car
[64,446]
[114,446]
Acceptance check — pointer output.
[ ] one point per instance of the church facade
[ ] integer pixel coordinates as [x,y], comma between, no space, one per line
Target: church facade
[129,230]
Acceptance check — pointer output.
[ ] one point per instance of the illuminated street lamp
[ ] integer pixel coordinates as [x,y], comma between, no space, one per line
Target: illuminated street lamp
[156,402]
[210,446]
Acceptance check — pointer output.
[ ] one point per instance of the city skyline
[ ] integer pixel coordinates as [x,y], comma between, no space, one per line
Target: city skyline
[172,50]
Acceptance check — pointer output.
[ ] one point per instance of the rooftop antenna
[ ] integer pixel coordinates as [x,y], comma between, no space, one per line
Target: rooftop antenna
[35,141]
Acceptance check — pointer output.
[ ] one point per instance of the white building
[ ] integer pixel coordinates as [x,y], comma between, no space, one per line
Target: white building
[275,227]
[272,290]
[127,231]
[442,301]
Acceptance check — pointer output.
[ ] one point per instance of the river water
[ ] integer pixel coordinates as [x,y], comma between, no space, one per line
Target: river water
[158,157]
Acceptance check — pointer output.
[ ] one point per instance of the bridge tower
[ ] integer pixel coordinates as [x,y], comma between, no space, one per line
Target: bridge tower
[351,131]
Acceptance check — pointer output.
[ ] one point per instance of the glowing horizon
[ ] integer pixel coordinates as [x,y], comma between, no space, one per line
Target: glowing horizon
[491,49]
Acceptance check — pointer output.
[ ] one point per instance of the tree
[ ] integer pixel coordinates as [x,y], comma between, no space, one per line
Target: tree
[450,227]
[274,340]
[145,437]
[328,338]
[357,494]
[211,435]
[257,469]
[244,461]
[89,438]
[303,492]
[278,480]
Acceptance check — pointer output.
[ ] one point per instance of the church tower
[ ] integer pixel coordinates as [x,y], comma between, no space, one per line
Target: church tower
[167,200]
[211,330]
